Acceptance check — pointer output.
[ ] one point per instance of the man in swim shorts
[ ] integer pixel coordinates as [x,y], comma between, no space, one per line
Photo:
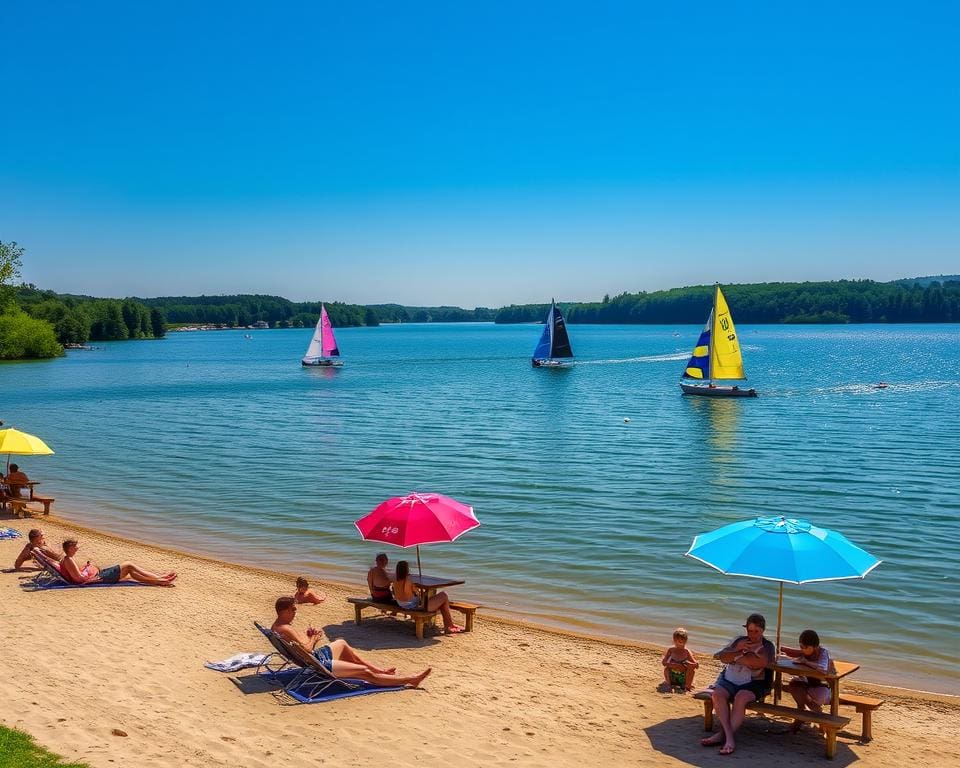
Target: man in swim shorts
[337,657]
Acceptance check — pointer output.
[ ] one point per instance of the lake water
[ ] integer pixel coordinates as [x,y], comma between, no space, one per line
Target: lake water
[219,444]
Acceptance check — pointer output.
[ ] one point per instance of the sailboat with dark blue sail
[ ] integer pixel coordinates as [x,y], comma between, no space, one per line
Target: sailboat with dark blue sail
[553,349]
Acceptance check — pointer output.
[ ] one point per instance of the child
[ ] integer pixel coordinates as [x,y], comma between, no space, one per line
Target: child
[809,692]
[679,666]
[306,595]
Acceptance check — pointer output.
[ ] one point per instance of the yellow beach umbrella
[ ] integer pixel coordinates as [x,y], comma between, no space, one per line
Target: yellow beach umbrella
[13,441]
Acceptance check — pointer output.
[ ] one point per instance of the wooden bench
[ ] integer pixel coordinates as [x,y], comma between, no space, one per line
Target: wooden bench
[468,610]
[829,723]
[46,501]
[865,705]
[419,617]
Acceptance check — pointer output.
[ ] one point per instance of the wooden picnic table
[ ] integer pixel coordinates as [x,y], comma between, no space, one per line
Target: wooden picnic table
[839,670]
[427,586]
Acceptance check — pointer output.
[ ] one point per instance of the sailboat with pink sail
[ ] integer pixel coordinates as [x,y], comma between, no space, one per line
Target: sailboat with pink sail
[323,348]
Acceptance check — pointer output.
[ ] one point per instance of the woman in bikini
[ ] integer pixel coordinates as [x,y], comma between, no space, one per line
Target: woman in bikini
[407,596]
[378,581]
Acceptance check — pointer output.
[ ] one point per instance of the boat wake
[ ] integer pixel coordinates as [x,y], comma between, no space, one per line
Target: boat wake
[872,388]
[671,358]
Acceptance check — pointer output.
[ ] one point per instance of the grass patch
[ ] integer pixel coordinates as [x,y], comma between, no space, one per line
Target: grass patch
[18,750]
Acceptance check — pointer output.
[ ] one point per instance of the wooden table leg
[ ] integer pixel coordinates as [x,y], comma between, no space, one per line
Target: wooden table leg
[834,697]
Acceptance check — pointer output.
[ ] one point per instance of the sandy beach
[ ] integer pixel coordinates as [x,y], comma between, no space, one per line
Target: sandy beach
[115,677]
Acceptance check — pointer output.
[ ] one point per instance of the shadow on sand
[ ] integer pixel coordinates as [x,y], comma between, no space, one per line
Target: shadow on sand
[379,633]
[760,740]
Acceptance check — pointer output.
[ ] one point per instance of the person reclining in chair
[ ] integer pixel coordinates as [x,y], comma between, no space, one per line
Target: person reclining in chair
[90,573]
[337,657]
[35,541]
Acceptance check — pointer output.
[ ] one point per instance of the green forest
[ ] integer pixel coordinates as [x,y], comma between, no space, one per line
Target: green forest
[841,301]
[39,324]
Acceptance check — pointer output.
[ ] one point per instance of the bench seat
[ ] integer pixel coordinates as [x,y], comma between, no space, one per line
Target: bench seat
[46,501]
[468,610]
[864,705]
[829,723]
[419,617]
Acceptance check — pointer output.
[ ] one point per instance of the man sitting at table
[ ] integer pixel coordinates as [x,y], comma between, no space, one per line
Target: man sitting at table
[18,482]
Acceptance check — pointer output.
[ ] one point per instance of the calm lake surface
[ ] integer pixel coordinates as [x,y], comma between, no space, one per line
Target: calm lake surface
[219,444]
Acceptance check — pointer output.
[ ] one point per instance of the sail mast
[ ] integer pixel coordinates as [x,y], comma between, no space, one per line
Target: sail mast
[553,323]
[713,332]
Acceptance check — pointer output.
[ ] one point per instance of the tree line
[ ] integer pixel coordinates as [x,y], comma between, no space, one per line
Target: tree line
[839,301]
[247,309]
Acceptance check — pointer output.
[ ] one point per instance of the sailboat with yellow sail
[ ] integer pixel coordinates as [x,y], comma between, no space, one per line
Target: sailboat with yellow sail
[716,356]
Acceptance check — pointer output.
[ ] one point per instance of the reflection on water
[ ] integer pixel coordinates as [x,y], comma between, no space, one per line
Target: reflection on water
[718,419]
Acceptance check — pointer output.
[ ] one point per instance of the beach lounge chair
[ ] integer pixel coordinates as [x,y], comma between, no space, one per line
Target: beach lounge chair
[304,678]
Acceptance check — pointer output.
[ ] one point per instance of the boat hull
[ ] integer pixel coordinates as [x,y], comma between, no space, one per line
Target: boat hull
[322,363]
[707,390]
[552,363]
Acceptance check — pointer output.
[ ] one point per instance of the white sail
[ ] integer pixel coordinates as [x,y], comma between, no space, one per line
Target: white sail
[315,349]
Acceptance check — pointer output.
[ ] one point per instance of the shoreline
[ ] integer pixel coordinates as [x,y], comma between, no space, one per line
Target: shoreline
[489,614]
[115,677]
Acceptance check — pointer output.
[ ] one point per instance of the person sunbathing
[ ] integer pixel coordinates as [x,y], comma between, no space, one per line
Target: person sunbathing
[306,595]
[35,541]
[406,595]
[336,656]
[90,573]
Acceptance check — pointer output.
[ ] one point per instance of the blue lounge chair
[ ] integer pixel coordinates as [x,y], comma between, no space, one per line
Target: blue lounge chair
[304,678]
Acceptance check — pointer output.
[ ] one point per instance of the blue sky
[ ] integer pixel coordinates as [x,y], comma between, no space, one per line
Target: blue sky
[476,154]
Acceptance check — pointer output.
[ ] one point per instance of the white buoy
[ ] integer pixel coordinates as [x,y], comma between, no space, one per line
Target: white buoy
[626,420]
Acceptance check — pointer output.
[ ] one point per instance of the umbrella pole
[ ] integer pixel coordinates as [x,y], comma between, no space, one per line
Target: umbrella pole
[779,616]
[776,688]
[419,569]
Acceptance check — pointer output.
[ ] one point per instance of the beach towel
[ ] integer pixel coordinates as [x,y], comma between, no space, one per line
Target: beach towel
[308,692]
[10,533]
[239,661]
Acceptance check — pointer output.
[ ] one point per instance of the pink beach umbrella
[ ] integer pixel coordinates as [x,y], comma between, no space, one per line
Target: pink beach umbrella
[415,519]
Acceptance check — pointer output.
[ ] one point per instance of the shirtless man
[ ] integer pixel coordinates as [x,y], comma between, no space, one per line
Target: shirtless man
[338,658]
[17,481]
[378,580]
[35,540]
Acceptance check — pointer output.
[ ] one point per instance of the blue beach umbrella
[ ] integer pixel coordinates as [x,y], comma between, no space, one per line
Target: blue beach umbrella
[781,549]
